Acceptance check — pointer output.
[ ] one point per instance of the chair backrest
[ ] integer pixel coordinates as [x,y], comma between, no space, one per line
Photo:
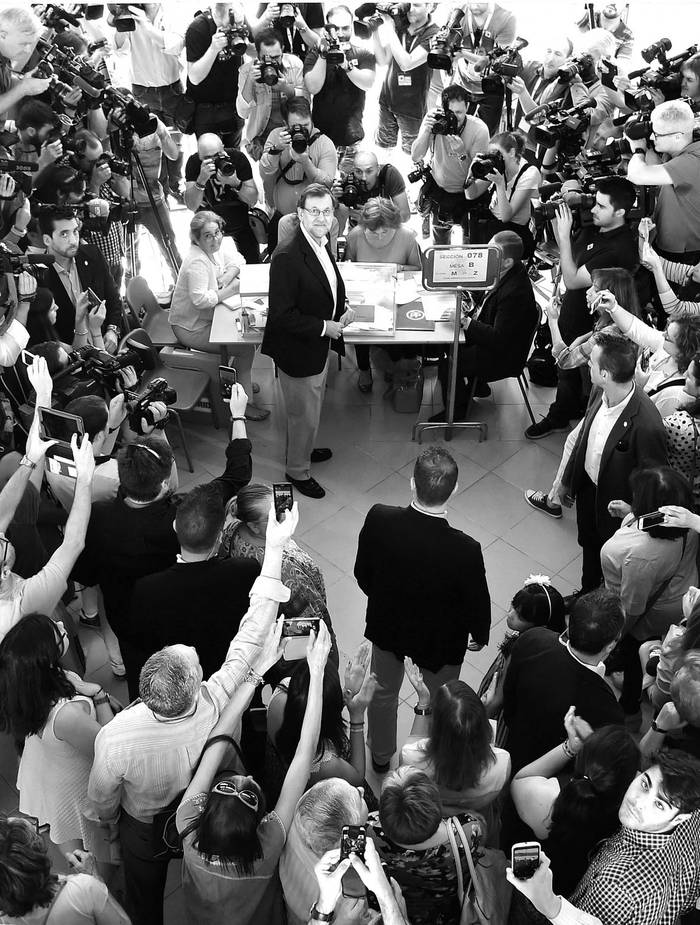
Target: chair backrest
[137,336]
[141,298]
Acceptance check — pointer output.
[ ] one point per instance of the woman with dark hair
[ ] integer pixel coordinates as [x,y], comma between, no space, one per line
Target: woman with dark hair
[54,717]
[42,318]
[451,740]
[336,755]
[30,893]
[537,603]
[571,812]
[231,844]
[650,567]
[513,189]
[661,658]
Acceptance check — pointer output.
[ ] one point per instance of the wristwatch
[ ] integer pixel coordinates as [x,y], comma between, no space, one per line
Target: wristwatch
[26,461]
[321,916]
[654,726]
[113,327]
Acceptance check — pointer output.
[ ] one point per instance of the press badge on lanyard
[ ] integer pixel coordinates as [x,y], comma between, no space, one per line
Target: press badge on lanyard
[404,80]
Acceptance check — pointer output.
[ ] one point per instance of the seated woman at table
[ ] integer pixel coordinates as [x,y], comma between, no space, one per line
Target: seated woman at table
[379,237]
[203,282]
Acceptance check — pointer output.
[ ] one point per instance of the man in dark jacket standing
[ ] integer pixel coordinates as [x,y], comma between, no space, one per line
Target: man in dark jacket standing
[426,587]
[497,344]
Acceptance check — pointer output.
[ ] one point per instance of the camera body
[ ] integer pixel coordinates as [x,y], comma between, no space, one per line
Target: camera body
[333,54]
[287,16]
[300,138]
[128,114]
[20,172]
[116,164]
[484,164]
[122,15]
[503,64]
[582,66]
[270,70]
[224,163]
[353,192]
[237,38]
[420,174]
[139,405]
[446,43]
[445,123]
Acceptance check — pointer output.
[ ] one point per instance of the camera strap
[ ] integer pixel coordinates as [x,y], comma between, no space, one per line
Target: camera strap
[291,163]
[517,177]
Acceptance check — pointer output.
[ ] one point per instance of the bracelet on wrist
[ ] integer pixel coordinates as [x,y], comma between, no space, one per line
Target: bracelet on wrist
[27,462]
[357,725]
[253,678]
[567,749]
[422,711]
[656,728]
[199,186]
[244,418]
[317,915]
[20,232]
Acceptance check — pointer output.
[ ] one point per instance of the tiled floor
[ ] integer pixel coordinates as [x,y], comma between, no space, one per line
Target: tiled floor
[372,461]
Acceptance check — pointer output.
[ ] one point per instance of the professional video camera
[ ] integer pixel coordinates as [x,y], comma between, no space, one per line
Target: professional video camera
[420,174]
[20,172]
[53,17]
[582,66]
[123,18]
[139,406]
[580,201]
[484,164]
[270,70]
[445,123]
[91,371]
[94,214]
[504,62]
[605,163]
[127,113]
[237,38]
[74,71]
[19,263]
[666,77]
[58,88]
[446,43]
[300,137]
[565,127]
[369,19]
[352,192]
[333,53]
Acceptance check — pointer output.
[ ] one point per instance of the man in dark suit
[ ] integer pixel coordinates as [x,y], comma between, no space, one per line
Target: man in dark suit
[78,267]
[306,316]
[497,344]
[427,593]
[621,431]
[547,674]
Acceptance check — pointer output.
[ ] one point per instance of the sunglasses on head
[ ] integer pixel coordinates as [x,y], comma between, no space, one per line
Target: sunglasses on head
[228,789]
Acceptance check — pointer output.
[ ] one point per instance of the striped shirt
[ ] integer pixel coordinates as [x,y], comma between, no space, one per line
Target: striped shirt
[143,761]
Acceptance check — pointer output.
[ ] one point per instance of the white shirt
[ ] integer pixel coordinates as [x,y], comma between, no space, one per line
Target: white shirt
[324,259]
[602,425]
[15,338]
[151,65]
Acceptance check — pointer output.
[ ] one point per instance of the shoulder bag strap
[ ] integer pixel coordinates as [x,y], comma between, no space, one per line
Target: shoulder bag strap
[664,584]
[517,177]
[452,821]
[677,380]
[288,166]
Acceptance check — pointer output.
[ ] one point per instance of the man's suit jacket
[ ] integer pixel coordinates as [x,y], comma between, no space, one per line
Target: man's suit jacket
[92,272]
[506,325]
[300,301]
[545,93]
[637,441]
[426,586]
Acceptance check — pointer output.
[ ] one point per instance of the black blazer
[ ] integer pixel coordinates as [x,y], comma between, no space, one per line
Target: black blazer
[506,324]
[426,586]
[94,273]
[300,301]
[637,441]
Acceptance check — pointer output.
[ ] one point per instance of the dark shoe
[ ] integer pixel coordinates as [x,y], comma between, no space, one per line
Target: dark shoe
[321,454]
[482,390]
[364,382]
[380,768]
[308,487]
[538,500]
[543,428]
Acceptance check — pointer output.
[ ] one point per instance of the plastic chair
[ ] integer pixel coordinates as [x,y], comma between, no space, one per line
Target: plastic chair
[190,385]
[150,316]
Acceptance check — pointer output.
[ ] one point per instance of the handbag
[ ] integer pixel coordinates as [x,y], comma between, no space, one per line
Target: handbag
[167,841]
[485,900]
[542,366]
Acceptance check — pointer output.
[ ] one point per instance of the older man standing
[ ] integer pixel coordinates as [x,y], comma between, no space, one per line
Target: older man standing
[145,757]
[307,314]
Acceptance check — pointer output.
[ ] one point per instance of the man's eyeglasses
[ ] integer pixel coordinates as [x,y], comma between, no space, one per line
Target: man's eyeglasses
[662,134]
[228,789]
[315,213]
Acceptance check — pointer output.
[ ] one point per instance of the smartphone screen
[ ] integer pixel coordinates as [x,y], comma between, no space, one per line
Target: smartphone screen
[228,377]
[27,357]
[93,299]
[283,496]
[353,839]
[525,859]
[300,626]
[646,521]
[57,425]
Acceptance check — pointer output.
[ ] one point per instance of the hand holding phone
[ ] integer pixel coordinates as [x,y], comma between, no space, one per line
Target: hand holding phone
[228,377]
[525,859]
[353,840]
[283,497]
[647,521]
[300,626]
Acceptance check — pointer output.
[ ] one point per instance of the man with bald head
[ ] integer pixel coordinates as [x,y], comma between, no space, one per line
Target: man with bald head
[230,195]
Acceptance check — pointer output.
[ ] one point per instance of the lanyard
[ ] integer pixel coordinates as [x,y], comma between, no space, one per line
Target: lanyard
[484,28]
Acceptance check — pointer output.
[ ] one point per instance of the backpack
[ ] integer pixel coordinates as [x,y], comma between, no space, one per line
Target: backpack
[542,366]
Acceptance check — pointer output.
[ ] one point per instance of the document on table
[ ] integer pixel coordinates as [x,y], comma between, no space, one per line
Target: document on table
[370,290]
[437,306]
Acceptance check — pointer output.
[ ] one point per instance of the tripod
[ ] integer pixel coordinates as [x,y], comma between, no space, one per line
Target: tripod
[125,145]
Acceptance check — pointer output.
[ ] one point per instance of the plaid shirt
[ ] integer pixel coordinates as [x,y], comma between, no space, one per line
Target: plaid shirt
[637,878]
[111,245]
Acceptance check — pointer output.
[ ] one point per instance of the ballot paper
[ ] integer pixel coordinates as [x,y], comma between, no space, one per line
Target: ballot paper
[370,288]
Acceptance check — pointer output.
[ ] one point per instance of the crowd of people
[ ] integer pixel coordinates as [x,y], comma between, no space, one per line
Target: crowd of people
[243,751]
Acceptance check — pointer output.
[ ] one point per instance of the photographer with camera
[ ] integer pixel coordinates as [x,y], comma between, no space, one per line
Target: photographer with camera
[295,157]
[671,162]
[36,123]
[402,43]
[77,268]
[690,79]
[453,138]
[338,74]
[609,242]
[514,183]
[539,84]
[299,23]
[367,181]
[263,85]
[221,180]
[485,26]
[19,32]
[212,71]
[152,50]
[609,18]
